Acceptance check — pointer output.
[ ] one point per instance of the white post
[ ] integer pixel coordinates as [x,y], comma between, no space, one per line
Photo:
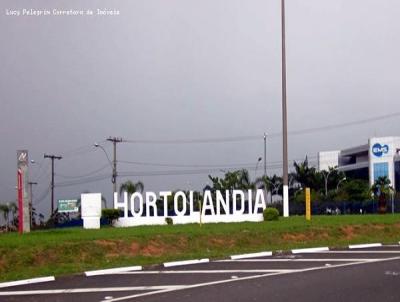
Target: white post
[285,201]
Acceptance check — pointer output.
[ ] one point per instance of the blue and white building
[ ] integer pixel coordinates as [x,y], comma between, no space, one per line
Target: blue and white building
[379,157]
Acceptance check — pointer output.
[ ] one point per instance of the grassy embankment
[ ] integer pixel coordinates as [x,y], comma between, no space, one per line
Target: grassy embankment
[67,251]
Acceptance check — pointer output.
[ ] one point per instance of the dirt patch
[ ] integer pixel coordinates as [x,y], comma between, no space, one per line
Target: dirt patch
[295,237]
[2,265]
[220,242]
[44,257]
[155,248]
[134,248]
[348,232]
[378,226]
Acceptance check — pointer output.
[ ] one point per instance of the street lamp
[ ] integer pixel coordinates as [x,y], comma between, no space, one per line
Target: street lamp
[340,181]
[109,161]
[275,186]
[31,183]
[326,175]
[255,173]
[297,192]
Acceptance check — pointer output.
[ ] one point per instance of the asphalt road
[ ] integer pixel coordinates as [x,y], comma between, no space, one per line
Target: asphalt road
[343,275]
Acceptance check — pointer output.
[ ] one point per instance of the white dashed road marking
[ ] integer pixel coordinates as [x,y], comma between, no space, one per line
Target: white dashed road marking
[210,271]
[281,264]
[86,290]
[27,281]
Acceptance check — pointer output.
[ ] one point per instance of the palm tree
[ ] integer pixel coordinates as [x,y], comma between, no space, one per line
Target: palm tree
[130,187]
[14,210]
[264,182]
[4,208]
[382,188]
[306,176]
[243,180]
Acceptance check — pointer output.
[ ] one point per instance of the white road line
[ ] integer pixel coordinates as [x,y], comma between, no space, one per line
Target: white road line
[86,290]
[303,260]
[113,270]
[209,271]
[27,281]
[245,278]
[310,250]
[185,262]
[251,255]
[364,246]
[363,252]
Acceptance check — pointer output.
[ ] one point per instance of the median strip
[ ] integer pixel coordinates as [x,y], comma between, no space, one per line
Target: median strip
[27,281]
[251,255]
[364,246]
[186,262]
[310,250]
[113,271]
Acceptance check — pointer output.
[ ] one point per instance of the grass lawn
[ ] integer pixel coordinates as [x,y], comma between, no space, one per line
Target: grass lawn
[74,250]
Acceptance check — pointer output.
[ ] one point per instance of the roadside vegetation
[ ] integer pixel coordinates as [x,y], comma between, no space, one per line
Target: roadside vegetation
[51,250]
[74,250]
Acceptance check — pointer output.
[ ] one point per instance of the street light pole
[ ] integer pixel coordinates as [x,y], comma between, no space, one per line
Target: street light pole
[326,175]
[114,140]
[30,183]
[284,118]
[265,154]
[255,173]
[340,181]
[52,157]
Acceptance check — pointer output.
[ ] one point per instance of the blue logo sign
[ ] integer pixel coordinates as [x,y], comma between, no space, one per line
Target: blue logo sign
[378,149]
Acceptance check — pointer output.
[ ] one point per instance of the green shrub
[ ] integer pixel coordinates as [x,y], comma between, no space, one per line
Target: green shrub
[110,215]
[169,220]
[271,214]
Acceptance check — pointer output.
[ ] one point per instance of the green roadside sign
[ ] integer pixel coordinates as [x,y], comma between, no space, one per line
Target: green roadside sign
[68,206]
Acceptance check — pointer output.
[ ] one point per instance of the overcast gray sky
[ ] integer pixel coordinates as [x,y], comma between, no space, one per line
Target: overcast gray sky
[185,69]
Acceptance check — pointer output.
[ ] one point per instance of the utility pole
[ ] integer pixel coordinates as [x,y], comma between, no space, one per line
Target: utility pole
[30,183]
[114,140]
[52,157]
[284,118]
[265,154]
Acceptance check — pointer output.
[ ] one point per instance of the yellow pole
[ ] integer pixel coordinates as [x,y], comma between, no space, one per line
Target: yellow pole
[308,204]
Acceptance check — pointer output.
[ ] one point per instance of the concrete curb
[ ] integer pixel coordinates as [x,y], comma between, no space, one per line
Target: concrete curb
[27,281]
[311,250]
[364,246]
[251,255]
[186,262]
[113,271]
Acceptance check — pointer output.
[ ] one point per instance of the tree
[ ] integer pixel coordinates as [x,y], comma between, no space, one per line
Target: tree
[4,208]
[354,190]
[382,189]
[14,210]
[272,184]
[130,187]
[306,176]
[236,180]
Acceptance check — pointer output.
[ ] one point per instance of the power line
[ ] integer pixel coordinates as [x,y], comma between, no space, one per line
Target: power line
[196,141]
[165,173]
[79,150]
[83,175]
[259,137]
[181,165]
[198,165]
[82,181]
[42,197]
